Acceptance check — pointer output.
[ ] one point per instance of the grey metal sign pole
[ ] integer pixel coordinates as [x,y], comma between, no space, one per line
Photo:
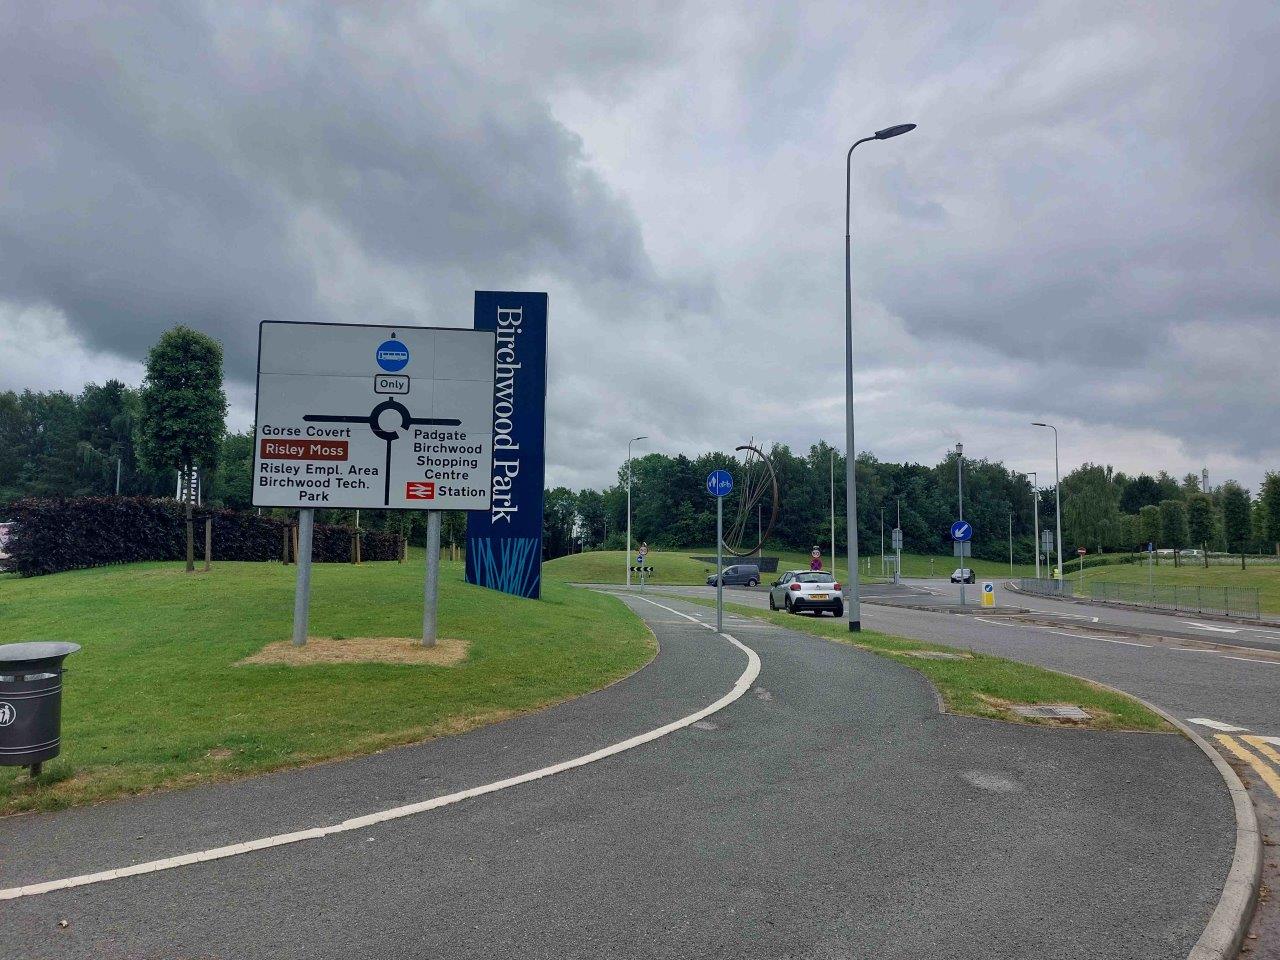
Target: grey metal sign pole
[719,564]
[960,499]
[431,584]
[302,590]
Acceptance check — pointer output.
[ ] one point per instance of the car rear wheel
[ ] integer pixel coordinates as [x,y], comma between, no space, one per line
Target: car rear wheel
[772,605]
[838,612]
[791,607]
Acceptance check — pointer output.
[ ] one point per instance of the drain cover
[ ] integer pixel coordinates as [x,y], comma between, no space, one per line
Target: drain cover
[1052,711]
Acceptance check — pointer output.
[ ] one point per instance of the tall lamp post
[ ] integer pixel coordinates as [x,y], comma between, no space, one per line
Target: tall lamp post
[627,558]
[1057,498]
[1035,513]
[850,451]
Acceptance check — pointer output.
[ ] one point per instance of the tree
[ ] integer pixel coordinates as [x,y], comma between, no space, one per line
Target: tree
[183,410]
[233,483]
[1200,522]
[1149,524]
[1237,524]
[1089,506]
[1140,492]
[592,516]
[1270,498]
[1173,526]
[559,518]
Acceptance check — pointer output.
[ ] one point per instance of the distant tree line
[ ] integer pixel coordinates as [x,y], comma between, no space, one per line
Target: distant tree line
[58,444]
[1104,510]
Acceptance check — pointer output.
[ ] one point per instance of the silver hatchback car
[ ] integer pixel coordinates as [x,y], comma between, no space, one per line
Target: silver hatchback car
[814,590]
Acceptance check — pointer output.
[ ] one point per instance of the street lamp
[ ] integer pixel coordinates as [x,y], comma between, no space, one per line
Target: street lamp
[850,451]
[1035,513]
[627,558]
[1057,497]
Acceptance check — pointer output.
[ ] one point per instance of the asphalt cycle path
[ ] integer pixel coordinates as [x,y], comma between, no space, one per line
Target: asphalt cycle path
[1230,694]
[824,808]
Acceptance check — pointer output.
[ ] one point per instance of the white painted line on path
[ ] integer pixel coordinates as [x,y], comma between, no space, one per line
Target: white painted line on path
[1274,663]
[1191,649]
[1217,725]
[1086,636]
[740,686]
[1209,627]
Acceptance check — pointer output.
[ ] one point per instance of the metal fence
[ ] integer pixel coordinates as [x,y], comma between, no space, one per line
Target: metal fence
[1048,588]
[1178,598]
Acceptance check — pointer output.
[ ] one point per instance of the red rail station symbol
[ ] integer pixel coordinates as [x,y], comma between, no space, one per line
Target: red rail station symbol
[419,490]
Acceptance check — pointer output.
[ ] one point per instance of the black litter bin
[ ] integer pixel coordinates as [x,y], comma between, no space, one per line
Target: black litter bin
[31,702]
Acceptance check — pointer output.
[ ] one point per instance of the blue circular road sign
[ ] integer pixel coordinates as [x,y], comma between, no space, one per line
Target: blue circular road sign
[392,356]
[962,531]
[719,483]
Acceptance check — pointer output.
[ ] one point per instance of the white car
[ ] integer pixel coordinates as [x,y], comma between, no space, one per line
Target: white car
[814,590]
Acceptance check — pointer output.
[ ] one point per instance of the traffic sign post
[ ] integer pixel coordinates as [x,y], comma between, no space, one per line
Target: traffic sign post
[897,554]
[961,535]
[719,485]
[1081,551]
[363,416]
[988,593]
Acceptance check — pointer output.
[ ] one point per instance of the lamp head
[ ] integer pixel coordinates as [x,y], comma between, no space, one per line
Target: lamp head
[894,131]
[1037,424]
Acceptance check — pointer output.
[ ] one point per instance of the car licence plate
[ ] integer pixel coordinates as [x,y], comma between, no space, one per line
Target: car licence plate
[818,596]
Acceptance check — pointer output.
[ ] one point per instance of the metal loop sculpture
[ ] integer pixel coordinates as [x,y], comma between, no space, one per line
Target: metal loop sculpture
[756,479]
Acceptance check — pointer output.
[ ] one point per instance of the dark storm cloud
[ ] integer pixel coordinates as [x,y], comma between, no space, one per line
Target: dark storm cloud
[172,162]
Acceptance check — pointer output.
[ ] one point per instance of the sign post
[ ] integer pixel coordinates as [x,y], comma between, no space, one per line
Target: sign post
[897,554]
[362,416]
[1081,551]
[719,485]
[988,593]
[961,535]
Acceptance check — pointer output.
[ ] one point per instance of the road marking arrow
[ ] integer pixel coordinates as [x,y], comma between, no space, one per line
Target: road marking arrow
[1204,626]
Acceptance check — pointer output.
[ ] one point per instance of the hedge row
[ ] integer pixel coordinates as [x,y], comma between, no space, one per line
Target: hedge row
[49,536]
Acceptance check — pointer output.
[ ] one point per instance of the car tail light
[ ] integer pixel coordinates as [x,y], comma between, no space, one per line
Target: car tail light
[795,586]
[835,586]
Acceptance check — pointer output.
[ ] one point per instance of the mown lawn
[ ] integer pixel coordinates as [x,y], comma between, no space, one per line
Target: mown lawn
[155,698]
[979,685]
[1266,579]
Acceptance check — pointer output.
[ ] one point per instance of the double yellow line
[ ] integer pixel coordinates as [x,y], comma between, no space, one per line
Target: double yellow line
[1269,776]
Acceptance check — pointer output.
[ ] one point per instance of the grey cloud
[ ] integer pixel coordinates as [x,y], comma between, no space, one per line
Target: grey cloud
[1083,227]
[165,158]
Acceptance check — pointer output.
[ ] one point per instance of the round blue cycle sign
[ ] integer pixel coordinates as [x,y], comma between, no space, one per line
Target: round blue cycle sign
[719,483]
[392,356]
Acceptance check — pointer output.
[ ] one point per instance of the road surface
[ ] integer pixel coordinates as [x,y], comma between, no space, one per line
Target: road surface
[820,807]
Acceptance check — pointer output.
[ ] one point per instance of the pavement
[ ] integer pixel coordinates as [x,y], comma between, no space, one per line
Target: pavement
[826,808]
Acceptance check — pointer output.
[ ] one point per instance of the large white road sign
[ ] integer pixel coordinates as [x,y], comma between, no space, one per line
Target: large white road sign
[351,415]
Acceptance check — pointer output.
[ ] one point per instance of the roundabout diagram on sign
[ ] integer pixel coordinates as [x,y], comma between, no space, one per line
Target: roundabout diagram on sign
[401,422]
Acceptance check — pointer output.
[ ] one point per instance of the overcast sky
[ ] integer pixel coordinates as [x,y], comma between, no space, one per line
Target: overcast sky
[1083,229]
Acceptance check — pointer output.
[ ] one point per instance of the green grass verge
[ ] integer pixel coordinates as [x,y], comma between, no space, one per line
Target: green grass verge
[1266,579]
[154,698]
[677,567]
[980,685]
